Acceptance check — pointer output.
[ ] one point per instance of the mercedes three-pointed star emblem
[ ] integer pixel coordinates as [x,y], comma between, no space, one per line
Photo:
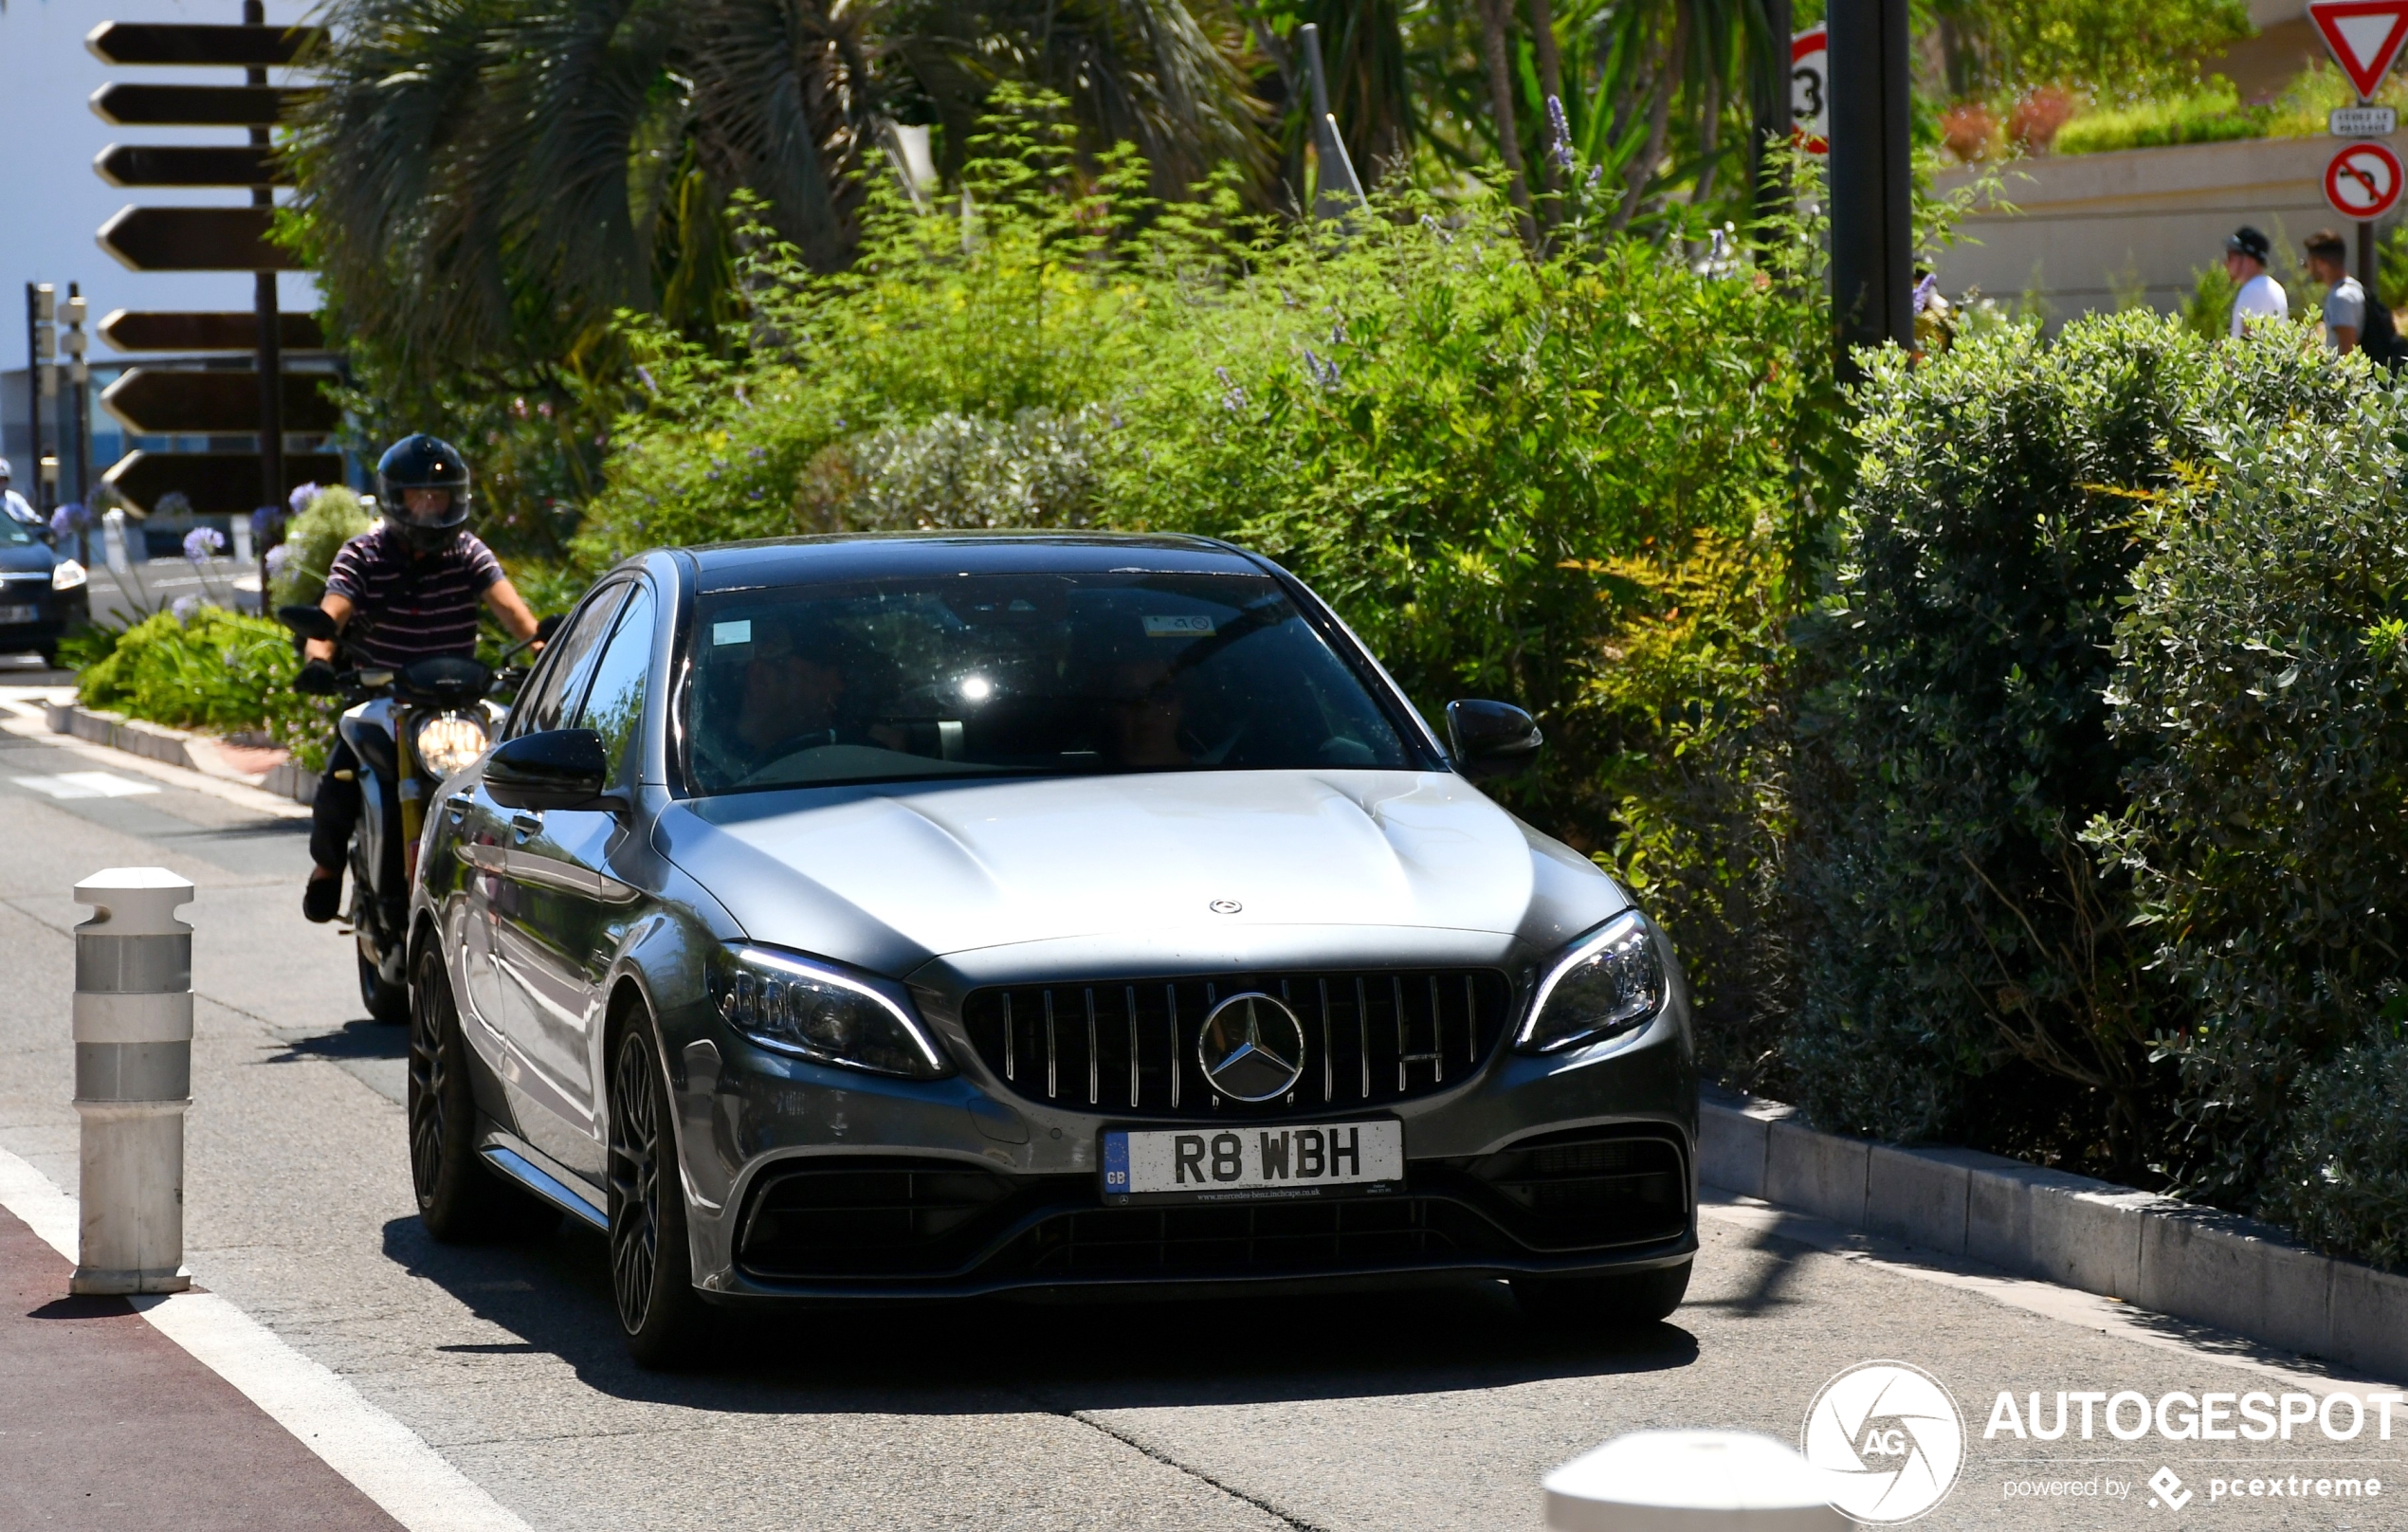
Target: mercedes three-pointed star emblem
[1251,1048]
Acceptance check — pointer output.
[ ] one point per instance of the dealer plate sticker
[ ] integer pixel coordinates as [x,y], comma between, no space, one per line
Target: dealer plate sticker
[1253,1164]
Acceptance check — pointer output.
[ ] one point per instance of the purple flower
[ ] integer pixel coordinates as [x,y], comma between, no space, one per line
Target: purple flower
[277,558]
[1560,129]
[1925,291]
[299,499]
[202,541]
[70,519]
[184,607]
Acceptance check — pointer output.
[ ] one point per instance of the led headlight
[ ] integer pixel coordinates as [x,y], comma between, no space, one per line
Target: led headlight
[797,1006]
[1609,982]
[448,741]
[67,574]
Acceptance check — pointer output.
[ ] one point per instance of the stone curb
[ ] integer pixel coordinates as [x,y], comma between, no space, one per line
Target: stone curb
[2153,1252]
[176,747]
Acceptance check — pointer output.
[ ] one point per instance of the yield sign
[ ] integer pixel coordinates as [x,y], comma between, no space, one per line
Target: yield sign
[2365,36]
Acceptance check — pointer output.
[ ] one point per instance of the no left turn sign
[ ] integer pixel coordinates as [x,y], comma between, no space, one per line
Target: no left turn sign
[2362,181]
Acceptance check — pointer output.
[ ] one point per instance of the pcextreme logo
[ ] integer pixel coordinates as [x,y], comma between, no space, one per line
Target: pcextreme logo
[1889,1440]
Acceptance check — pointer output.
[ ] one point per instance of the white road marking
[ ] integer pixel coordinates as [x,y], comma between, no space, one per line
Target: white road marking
[87,785]
[22,717]
[382,1458]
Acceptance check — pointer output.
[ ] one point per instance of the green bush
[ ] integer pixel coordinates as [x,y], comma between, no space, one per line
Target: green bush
[333,516]
[219,671]
[2212,113]
[2262,691]
[1965,974]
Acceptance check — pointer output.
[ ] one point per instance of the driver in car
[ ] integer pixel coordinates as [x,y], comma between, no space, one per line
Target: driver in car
[412,582]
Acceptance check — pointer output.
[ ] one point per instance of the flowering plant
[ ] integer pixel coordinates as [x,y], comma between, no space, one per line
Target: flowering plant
[202,541]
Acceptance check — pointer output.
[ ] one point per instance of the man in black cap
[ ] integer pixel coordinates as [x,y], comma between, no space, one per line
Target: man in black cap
[2261,296]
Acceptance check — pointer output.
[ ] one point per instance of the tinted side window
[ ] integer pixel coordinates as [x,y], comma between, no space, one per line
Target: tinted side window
[614,705]
[567,661]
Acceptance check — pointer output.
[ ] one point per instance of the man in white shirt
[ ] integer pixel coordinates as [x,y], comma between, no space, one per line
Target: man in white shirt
[12,503]
[2261,296]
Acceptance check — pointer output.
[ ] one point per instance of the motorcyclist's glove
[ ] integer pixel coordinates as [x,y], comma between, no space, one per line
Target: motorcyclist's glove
[316,679]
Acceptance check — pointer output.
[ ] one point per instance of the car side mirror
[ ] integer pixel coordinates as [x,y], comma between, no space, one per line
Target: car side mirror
[1492,739]
[308,622]
[557,769]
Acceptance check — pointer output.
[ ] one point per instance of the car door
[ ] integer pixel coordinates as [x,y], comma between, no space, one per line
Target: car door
[525,909]
[564,870]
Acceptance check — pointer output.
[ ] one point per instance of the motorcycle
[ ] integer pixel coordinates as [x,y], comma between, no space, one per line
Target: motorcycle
[409,729]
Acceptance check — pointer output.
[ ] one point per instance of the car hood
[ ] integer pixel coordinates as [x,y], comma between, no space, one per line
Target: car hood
[894,874]
[26,558]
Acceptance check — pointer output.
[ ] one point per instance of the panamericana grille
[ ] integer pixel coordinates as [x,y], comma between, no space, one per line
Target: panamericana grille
[1130,1046]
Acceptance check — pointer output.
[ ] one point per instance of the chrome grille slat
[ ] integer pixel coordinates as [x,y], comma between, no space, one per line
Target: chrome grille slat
[1161,1020]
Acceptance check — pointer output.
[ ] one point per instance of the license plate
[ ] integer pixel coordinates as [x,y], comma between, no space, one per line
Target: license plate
[1254,1163]
[19,615]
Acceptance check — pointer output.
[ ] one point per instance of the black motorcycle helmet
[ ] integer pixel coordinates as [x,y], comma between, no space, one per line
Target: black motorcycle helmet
[423,462]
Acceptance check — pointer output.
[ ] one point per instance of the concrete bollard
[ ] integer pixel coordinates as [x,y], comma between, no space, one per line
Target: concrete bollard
[1690,1481]
[133,1079]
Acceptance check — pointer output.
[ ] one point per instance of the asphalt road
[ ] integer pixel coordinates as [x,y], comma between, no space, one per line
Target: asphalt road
[1423,1412]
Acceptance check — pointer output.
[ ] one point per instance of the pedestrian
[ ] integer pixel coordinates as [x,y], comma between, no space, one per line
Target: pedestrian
[2261,296]
[13,502]
[2355,320]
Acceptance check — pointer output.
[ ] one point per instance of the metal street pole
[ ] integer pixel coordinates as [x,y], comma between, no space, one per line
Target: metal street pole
[271,360]
[1871,177]
[1774,119]
[77,437]
[33,391]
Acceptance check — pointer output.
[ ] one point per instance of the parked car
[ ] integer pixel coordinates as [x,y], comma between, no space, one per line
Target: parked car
[946,915]
[44,592]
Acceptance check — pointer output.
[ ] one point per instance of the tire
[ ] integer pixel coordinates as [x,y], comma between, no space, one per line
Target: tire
[1623,1300]
[387,1003]
[459,1199]
[665,1324]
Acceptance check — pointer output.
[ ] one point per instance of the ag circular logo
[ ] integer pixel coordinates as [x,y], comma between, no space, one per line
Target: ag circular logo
[1888,1440]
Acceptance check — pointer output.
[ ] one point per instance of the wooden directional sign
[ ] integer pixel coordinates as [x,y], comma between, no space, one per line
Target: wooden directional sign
[218,483]
[156,401]
[159,330]
[191,165]
[174,43]
[194,106]
[196,239]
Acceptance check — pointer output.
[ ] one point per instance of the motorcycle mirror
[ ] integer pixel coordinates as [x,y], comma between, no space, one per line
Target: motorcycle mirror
[308,622]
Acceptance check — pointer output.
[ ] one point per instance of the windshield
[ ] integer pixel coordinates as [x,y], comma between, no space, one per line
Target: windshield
[1015,674]
[13,531]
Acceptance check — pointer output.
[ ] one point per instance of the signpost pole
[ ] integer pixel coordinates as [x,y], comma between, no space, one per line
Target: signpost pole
[1871,177]
[33,391]
[271,361]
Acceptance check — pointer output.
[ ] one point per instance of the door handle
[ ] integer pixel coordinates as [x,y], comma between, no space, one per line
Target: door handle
[524,826]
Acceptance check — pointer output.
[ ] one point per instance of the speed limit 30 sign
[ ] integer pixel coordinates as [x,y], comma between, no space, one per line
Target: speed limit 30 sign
[2362,181]
[1810,89]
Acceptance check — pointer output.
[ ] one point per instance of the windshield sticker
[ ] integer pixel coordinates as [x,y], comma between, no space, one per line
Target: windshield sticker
[732,632]
[1178,627]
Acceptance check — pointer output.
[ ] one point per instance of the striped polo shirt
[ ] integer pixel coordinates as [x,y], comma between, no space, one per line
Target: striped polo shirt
[414,607]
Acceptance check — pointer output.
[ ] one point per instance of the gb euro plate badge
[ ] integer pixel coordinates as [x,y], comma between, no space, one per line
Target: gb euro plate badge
[1254,1163]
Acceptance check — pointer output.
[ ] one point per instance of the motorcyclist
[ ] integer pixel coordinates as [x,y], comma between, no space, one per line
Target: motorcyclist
[413,580]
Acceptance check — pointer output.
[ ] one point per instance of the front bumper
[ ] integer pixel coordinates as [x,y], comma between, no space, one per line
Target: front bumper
[808,1182]
[56,613]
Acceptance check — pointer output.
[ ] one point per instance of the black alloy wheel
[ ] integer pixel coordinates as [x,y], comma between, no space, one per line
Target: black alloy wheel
[458,1198]
[1623,1300]
[651,1271]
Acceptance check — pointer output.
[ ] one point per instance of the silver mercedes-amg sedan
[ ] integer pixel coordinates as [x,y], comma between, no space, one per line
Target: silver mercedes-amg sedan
[915,917]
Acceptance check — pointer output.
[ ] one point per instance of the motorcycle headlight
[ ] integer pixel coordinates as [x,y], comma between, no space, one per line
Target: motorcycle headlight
[1609,982]
[67,574]
[448,741]
[822,1013]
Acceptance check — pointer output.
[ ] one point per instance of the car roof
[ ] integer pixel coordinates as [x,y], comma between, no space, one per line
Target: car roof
[874,555]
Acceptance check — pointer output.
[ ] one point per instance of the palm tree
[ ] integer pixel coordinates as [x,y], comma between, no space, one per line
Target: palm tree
[485,182]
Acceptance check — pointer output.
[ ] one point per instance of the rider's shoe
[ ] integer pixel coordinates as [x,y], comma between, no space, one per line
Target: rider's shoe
[321,897]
